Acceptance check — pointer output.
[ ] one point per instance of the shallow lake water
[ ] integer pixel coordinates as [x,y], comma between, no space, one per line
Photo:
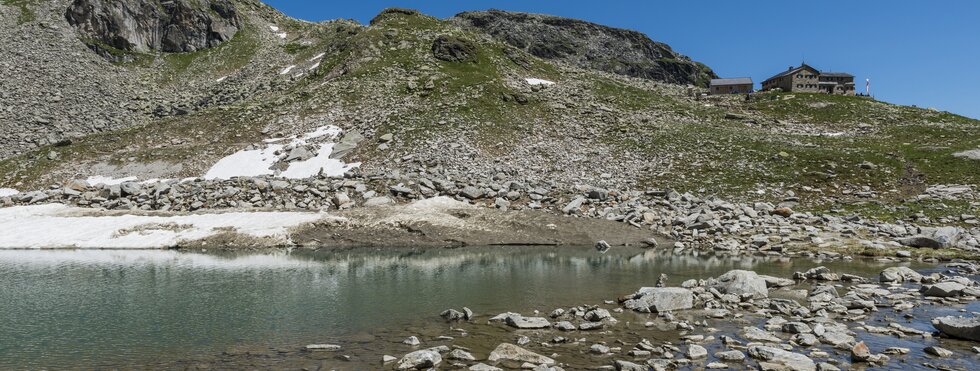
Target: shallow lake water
[112,308]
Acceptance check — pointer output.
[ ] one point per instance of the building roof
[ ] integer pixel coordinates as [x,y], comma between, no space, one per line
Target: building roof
[792,71]
[732,81]
[836,74]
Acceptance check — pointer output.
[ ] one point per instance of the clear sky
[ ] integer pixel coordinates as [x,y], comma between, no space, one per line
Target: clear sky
[924,53]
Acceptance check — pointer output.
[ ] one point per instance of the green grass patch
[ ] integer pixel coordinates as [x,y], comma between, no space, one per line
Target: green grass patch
[24,6]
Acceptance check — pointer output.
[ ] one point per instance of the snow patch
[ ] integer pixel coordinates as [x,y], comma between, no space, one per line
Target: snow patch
[259,161]
[834,134]
[4,192]
[314,66]
[287,69]
[106,180]
[534,81]
[274,28]
[221,79]
[318,56]
[61,226]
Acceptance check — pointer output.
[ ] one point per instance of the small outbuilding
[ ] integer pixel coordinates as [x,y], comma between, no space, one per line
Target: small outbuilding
[738,85]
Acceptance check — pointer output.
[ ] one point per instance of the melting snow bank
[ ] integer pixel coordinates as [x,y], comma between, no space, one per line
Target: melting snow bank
[533,81]
[60,226]
[257,162]
[4,192]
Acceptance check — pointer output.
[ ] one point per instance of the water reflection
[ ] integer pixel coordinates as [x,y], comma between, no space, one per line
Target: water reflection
[86,308]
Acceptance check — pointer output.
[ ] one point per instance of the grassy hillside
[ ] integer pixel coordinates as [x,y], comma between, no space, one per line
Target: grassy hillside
[849,154]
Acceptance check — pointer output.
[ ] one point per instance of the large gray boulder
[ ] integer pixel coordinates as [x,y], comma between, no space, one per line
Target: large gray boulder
[420,360]
[173,26]
[660,299]
[959,327]
[514,353]
[943,289]
[793,361]
[740,282]
[899,275]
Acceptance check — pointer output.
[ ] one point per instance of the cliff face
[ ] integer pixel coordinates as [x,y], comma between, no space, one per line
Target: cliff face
[153,25]
[588,45]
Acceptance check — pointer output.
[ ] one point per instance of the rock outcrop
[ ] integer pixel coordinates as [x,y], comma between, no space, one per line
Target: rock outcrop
[587,45]
[153,25]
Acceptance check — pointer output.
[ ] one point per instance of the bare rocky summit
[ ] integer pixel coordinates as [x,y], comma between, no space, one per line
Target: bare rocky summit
[588,45]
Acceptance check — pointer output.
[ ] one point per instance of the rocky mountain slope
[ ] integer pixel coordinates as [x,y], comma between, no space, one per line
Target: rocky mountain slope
[588,45]
[429,106]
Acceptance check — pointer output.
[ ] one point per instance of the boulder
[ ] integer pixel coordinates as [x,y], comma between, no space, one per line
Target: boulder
[420,360]
[514,353]
[661,299]
[794,361]
[967,328]
[943,289]
[741,282]
[526,323]
[454,49]
[899,275]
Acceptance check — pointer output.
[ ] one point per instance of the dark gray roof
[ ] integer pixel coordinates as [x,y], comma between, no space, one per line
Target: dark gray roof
[836,74]
[732,81]
[792,71]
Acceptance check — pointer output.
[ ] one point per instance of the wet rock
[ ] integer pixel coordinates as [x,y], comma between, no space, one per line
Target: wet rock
[525,323]
[938,352]
[943,289]
[452,315]
[860,352]
[467,314]
[899,275]
[420,359]
[756,334]
[599,349]
[661,299]
[484,367]
[565,326]
[602,246]
[741,282]
[628,366]
[461,355]
[597,315]
[695,351]
[412,340]
[589,326]
[967,328]
[794,361]
[731,356]
[511,352]
[323,347]
[796,328]
[388,359]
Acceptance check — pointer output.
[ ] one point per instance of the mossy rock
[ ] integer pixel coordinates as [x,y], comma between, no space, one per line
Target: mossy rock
[454,49]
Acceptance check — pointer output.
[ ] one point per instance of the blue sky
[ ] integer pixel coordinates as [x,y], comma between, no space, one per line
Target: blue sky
[923,53]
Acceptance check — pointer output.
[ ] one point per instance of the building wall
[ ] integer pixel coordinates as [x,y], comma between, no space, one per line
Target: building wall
[805,80]
[731,89]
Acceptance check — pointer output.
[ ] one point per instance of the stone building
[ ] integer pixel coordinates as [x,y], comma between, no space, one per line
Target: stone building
[739,85]
[806,79]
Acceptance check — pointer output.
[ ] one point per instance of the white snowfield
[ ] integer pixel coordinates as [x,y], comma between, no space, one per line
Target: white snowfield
[4,192]
[534,81]
[287,69]
[53,226]
[259,161]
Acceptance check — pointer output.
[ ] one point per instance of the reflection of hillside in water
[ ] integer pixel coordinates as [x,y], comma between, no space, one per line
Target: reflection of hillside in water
[429,262]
